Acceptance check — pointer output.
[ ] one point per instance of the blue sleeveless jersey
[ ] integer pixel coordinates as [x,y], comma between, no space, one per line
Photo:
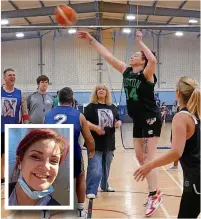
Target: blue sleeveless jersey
[66,115]
[10,107]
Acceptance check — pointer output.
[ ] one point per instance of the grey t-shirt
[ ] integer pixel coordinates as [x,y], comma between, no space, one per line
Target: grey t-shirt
[38,105]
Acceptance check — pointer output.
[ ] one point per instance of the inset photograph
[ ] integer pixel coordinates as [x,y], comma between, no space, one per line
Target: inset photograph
[39,167]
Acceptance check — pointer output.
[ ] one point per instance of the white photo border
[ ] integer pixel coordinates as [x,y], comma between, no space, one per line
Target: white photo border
[71,141]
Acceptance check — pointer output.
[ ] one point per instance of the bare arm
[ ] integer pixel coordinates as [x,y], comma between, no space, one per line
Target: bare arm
[87,135]
[24,110]
[151,65]
[92,126]
[96,128]
[179,132]
[117,64]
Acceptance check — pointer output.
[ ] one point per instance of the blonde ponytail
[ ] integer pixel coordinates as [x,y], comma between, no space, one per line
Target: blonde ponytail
[193,104]
[190,94]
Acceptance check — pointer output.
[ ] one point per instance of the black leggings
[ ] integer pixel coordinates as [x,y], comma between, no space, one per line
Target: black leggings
[190,202]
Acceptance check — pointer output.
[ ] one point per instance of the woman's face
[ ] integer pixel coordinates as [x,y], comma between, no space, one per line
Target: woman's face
[103,114]
[136,59]
[6,103]
[101,93]
[40,164]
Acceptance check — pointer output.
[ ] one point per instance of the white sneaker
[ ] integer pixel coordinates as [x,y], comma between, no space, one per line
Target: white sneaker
[109,189]
[91,196]
[173,167]
[158,192]
[146,201]
[153,204]
[80,212]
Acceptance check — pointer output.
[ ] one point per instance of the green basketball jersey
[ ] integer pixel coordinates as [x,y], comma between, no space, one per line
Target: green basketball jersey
[139,93]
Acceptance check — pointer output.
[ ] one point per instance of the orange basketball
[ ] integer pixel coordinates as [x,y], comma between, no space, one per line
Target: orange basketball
[65,15]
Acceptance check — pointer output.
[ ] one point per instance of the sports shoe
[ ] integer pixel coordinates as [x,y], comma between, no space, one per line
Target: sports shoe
[109,189]
[153,203]
[173,167]
[91,196]
[3,181]
[80,212]
[158,192]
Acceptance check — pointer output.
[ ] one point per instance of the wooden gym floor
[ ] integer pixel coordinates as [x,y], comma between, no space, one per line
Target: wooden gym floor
[127,201]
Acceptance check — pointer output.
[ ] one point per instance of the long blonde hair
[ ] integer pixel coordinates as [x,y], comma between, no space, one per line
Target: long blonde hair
[94,97]
[189,88]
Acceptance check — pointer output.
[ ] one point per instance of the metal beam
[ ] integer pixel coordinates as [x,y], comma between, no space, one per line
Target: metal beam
[148,10]
[16,8]
[104,7]
[106,22]
[47,11]
[41,55]
[43,6]
[154,8]
[27,20]
[182,4]
[180,7]
[5,39]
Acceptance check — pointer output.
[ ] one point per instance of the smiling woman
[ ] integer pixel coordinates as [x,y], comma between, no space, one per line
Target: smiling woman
[38,157]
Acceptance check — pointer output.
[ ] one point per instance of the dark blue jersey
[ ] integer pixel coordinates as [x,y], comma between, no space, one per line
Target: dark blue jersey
[66,115]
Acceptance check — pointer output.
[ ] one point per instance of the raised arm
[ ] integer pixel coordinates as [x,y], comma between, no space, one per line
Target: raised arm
[151,65]
[117,64]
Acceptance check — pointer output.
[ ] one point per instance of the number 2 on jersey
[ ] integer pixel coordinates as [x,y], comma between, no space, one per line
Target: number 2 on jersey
[133,94]
[61,118]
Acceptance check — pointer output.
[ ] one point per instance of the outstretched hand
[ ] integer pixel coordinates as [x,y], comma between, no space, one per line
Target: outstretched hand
[141,172]
[84,35]
[139,35]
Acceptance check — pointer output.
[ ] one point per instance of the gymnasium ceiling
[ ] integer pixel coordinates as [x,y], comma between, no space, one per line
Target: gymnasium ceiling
[150,14]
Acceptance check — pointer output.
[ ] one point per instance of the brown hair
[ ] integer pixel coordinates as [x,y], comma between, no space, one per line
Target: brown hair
[145,58]
[6,70]
[42,78]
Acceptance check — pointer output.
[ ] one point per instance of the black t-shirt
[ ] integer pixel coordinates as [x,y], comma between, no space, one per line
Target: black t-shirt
[104,116]
[141,103]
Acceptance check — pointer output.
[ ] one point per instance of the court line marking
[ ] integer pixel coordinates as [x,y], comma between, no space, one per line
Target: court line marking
[172,178]
[161,205]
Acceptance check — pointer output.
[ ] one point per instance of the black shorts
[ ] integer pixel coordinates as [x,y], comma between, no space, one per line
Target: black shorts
[78,166]
[147,128]
[2,143]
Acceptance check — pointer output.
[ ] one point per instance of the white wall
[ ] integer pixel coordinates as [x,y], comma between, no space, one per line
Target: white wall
[72,62]
[23,56]
[179,57]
